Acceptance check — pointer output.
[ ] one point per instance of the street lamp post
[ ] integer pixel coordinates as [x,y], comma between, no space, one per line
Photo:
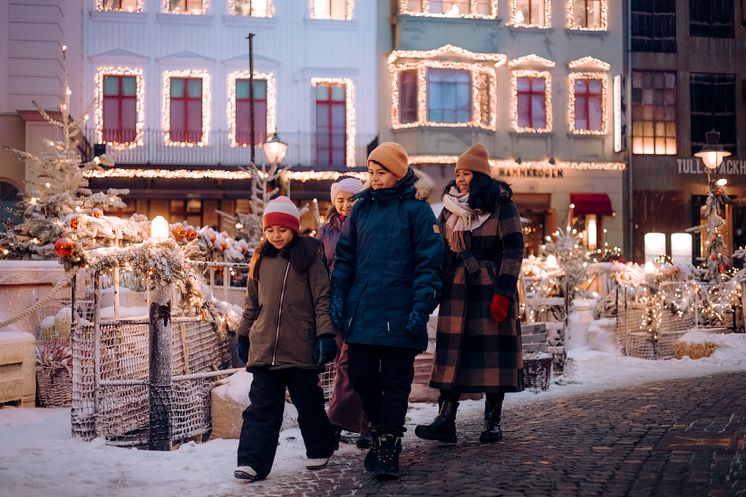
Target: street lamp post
[274,151]
[712,154]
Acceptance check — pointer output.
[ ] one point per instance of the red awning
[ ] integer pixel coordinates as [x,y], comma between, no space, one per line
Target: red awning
[592,203]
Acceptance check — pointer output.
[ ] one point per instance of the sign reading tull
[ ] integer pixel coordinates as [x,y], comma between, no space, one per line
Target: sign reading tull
[695,166]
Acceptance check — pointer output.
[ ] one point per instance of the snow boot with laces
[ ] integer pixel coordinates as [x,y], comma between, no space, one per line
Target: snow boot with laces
[389,448]
[443,427]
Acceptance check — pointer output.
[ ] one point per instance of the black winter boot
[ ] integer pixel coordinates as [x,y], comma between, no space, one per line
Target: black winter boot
[389,448]
[493,432]
[443,427]
[371,458]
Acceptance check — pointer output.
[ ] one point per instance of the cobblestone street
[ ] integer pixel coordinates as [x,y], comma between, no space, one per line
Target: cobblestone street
[675,438]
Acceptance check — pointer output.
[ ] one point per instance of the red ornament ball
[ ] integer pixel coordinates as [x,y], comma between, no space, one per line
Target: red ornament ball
[713,257]
[74,222]
[64,247]
[179,232]
[98,213]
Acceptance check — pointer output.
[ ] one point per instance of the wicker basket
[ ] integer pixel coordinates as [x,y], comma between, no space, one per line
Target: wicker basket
[54,385]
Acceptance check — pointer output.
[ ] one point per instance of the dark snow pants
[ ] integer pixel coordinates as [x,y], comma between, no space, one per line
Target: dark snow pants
[382,377]
[263,418]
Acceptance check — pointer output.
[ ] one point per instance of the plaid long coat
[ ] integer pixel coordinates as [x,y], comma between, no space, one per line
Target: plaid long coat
[473,353]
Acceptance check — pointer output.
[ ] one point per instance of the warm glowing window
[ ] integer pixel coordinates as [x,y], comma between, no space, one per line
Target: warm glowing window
[481,8]
[448,96]
[243,111]
[408,96]
[120,5]
[588,14]
[251,8]
[532,110]
[186,110]
[589,104]
[119,109]
[340,10]
[654,113]
[531,12]
[186,6]
[331,124]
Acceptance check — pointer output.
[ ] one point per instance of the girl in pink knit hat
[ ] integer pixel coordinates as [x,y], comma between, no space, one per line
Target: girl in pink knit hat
[345,408]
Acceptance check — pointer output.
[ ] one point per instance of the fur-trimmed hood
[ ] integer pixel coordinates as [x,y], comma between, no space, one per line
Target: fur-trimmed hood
[416,180]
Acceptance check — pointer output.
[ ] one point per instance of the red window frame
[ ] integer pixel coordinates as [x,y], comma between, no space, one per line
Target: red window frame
[183,134]
[243,136]
[586,94]
[408,96]
[529,96]
[330,151]
[123,132]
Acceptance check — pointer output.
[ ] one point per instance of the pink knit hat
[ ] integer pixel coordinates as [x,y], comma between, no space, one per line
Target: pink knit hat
[349,185]
[281,211]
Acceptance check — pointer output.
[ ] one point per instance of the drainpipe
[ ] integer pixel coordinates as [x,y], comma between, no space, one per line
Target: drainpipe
[628,121]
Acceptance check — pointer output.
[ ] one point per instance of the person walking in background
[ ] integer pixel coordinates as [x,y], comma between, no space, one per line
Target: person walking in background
[478,340]
[345,408]
[285,336]
[385,284]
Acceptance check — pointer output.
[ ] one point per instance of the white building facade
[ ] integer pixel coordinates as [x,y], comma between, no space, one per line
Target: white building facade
[170,81]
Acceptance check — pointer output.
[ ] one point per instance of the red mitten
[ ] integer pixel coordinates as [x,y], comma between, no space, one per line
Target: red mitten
[499,307]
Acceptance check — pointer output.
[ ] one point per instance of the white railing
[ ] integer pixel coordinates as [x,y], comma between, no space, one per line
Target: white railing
[302,150]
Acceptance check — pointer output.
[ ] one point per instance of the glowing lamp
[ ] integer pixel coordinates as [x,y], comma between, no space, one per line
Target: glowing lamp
[655,245]
[274,149]
[712,154]
[681,247]
[551,261]
[159,228]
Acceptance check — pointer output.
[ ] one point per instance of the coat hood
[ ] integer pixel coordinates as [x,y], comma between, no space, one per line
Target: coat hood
[415,184]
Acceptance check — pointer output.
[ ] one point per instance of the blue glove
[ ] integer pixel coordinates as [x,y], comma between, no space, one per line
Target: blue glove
[324,350]
[242,348]
[337,310]
[417,322]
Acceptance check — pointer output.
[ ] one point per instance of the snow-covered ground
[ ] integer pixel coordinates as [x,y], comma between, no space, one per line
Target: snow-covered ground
[38,456]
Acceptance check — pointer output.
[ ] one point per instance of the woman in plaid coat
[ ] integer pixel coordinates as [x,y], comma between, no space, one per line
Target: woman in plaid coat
[478,341]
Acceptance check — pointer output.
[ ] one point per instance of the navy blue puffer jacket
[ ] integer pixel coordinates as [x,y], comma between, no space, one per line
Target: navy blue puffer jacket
[388,263]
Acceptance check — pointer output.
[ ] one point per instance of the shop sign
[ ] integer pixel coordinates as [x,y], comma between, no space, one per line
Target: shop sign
[696,166]
[531,172]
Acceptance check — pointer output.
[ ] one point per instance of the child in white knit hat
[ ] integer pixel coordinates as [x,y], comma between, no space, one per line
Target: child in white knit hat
[285,337]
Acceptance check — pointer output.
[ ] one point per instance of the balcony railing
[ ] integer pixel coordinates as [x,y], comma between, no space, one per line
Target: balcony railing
[216,149]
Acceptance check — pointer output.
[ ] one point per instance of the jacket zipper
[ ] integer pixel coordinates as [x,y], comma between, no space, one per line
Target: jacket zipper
[279,314]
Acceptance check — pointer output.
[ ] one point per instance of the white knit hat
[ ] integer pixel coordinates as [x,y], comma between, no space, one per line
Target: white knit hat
[349,185]
[281,211]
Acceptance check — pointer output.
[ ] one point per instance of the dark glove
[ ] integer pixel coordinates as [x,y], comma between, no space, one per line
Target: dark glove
[417,322]
[242,348]
[324,350]
[337,310]
[499,307]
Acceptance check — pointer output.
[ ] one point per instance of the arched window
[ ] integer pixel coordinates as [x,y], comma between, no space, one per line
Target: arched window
[8,200]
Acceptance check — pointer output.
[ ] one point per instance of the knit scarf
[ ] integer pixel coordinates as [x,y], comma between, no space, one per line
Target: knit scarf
[463,218]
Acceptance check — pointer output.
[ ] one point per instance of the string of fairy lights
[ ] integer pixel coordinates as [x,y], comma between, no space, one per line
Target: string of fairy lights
[349,87]
[204,76]
[137,73]
[231,107]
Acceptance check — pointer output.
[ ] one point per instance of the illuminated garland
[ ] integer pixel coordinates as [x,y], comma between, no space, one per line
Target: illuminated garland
[481,73]
[589,63]
[349,10]
[233,6]
[531,60]
[166,9]
[304,176]
[523,73]
[509,163]
[571,24]
[101,72]
[271,102]
[166,105]
[547,16]
[101,5]
[301,176]
[349,110]
[473,6]
[572,78]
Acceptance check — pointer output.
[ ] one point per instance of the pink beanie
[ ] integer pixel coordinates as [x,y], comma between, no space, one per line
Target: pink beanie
[281,211]
[349,185]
